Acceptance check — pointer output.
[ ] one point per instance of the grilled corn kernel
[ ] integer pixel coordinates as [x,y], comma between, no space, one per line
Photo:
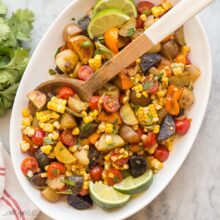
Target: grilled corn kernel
[125,99]
[135,127]
[24,146]
[25,112]
[47,127]
[144,93]
[55,135]
[85,185]
[138,95]
[96,63]
[101,127]
[86,119]
[84,113]
[68,173]
[26,121]
[185,50]
[108,139]
[73,148]
[46,149]
[157,11]
[94,113]
[57,105]
[152,149]
[108,128]
[154,164]
[166,5]
[156,129]
[57,125]
[143,17]
[177,68]
[76,131]
[165,82]
[46,167]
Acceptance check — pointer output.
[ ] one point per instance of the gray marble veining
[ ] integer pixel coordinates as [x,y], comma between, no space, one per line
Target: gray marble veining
[194,193]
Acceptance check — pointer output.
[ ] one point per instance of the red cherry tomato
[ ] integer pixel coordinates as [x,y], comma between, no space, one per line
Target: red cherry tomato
[29,164]
[113,176]
[161,153]
[182,126]
[144,6]
[67,138]
[111,104]
[96,173]
[85,72]
[151,85]
[65,92]
[139,23]
[119,162]
[149,140]
[38,138]
[55,169]
[94,102]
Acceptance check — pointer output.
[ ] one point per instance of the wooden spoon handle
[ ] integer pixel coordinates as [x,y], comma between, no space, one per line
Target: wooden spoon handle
[175,18]
[120,61]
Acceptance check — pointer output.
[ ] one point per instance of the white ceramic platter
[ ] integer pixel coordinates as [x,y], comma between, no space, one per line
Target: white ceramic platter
[37,72]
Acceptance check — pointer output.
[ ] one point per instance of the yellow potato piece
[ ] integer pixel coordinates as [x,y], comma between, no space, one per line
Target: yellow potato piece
[63,154]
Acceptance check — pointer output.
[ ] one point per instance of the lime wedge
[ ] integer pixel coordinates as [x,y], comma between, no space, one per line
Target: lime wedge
[106,197]
[127,6]
[104,20]
[132,185]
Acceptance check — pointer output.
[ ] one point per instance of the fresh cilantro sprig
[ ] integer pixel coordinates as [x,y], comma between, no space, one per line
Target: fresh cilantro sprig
[13,57]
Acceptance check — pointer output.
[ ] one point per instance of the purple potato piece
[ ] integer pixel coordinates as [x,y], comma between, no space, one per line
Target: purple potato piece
[150,60]
[79,202]
[138,166]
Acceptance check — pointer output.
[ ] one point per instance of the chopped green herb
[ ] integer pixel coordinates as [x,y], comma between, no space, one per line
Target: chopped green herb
[55,172]
[69,182]
[116,179]
[131,32]
[147,12]
[48,141]
[52,72]
[86,44]
[66,192]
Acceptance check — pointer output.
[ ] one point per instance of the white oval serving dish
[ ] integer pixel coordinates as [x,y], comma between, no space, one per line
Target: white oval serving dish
[37,72]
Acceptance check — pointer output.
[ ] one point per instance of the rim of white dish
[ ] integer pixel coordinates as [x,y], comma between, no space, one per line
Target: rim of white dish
[130,212]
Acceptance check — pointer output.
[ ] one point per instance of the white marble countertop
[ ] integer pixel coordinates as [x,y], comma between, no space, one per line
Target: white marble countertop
[194,193]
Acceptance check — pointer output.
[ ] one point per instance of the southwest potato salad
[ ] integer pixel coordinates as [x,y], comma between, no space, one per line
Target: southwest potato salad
[108,149]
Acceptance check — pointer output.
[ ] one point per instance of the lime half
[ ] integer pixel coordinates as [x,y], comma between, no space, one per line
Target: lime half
[106,197]
[104,20]
[127,6]
[132,185]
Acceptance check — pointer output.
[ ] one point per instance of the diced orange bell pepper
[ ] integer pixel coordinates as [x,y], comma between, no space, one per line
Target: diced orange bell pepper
[111,39]
[84,141]
[181,58]
[172,98]
[111,118]
[126,82]
[94,137]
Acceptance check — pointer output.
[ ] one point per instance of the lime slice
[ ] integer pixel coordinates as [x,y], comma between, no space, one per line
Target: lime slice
[106,197]
[132,185]
[127,6]
[104,20]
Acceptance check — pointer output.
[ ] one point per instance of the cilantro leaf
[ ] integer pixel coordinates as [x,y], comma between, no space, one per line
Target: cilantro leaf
[7,96]
[8,78]
[3,9]
[21,24]
[18,62]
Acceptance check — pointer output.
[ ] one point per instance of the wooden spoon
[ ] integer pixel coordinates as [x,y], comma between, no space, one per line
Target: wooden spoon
[166,25]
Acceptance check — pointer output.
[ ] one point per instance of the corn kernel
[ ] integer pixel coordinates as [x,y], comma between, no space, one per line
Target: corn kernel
[177,68]
[157,11]
[46,149]
[68,173]
[55,135]
[86,120]
[101,127]
[166,5]
[108,128]
[46,167]
[84,113]
[144,93]
[25,112]
[73,148]
[125,99]
[57,125]
[138,95]
[85,185]
[143,17]
[26,121]
[24,146]
[76,131]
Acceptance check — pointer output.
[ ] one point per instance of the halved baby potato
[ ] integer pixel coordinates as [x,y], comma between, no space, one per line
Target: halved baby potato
[83,46]
[66,61]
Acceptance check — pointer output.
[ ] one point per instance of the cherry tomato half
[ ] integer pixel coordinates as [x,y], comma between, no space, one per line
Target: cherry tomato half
[119,162]
[67,138]
[96,173]
[94,102]
[111,104]
[38,138]
[151,85]
[29,164]
[149,140]
[113,176]
[55,169]
[85,72]
[65,92]
[182,126]
[144,6]
[161,153]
